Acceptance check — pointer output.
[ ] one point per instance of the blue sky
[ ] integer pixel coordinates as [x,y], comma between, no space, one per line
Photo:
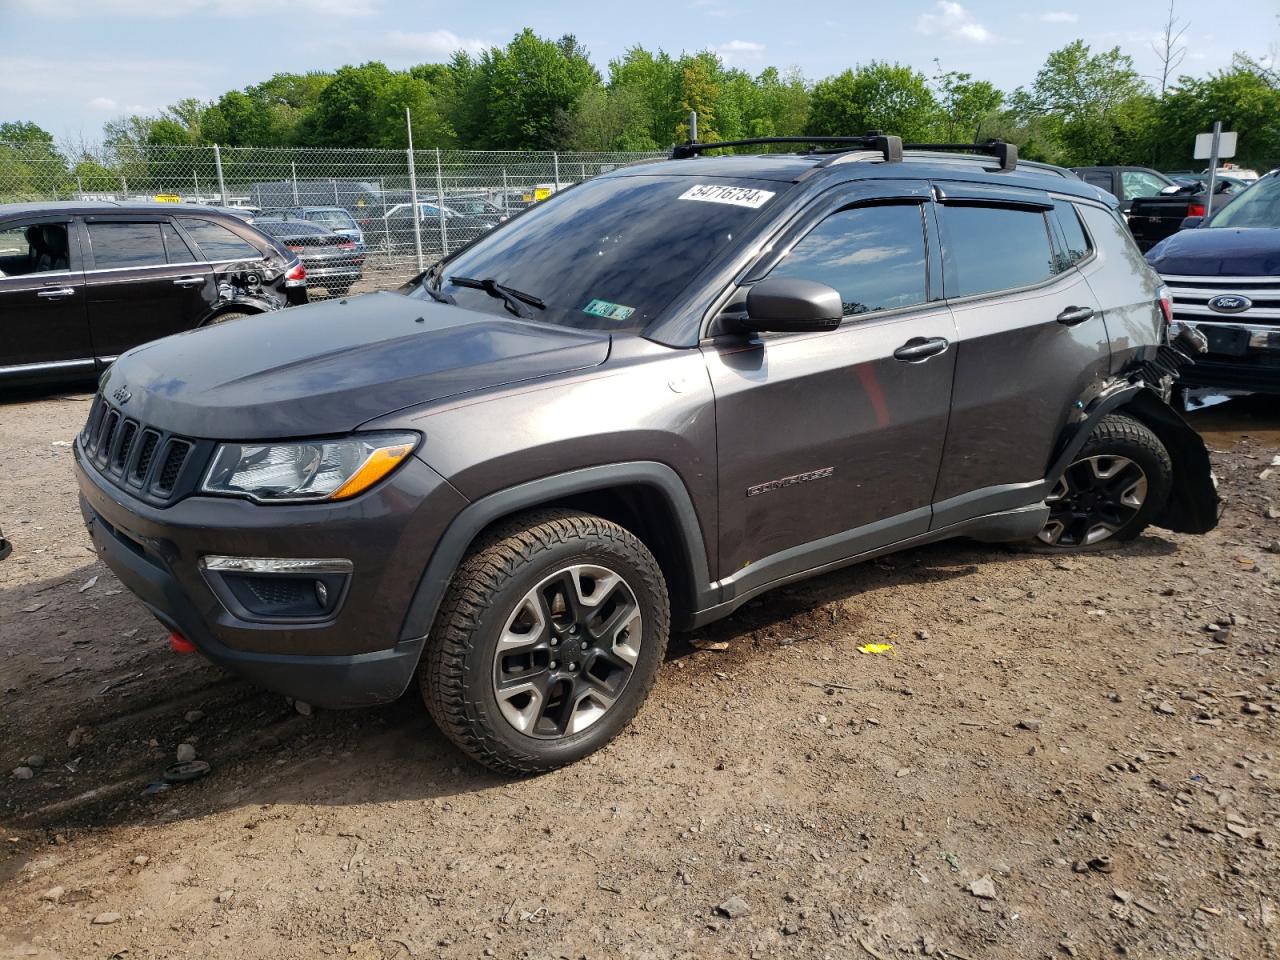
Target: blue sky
[69,65]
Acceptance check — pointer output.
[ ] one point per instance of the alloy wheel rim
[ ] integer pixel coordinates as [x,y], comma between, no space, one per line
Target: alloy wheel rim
[1093,500]
[567,651]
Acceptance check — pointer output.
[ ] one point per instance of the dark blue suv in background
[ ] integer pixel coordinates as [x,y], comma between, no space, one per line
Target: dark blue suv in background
[1225,278]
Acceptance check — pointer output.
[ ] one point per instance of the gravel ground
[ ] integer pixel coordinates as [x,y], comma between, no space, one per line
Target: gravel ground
[1058,757]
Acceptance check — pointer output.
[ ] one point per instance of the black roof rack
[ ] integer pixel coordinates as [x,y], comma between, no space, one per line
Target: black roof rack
[888,147]
[1006,153]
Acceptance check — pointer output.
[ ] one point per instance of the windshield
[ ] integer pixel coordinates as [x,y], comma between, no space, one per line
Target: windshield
[1259,206]
[611,254]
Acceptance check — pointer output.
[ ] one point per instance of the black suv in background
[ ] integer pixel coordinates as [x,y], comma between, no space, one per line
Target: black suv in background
[1125,183]
[638,405]
[81,283]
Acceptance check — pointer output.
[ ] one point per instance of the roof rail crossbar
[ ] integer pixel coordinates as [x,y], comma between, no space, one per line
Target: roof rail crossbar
[887,146]
[1006,153]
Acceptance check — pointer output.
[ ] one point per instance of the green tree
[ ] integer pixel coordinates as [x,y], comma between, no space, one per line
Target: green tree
[30,166]
[655,79]
[879,96]
[965,104]
[1241,98]
[529,83]
[1102,109]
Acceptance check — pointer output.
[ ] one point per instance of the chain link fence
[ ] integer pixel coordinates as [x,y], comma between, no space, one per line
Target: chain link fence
[372,194]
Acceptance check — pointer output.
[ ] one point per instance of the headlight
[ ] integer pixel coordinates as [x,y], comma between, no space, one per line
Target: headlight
[309,470]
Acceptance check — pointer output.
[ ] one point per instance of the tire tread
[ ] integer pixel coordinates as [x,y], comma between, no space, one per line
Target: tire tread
[502,552]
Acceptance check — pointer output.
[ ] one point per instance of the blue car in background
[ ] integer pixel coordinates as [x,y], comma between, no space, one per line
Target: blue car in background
[1225,276]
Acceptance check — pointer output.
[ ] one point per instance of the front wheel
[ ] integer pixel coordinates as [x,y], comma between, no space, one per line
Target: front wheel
[1119,481]
[547,642]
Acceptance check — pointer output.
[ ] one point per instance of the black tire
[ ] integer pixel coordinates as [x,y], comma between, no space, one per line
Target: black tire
[1116,438]
[228,317]
[460,667]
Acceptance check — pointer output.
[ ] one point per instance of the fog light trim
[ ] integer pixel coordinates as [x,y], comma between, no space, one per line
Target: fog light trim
[218,564]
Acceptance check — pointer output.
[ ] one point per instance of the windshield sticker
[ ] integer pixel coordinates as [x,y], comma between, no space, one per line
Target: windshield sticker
[737,196]
[610,311]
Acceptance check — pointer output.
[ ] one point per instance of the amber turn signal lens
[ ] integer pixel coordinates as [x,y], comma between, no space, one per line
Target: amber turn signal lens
[378,464]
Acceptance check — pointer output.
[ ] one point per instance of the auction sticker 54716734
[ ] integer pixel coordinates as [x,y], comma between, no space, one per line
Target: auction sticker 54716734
[722,193]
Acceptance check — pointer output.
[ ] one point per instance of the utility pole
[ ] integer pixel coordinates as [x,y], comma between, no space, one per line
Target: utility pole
[413,193]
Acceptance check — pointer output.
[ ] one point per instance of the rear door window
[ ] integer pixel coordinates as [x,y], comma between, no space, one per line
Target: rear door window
[1073,243]
[175,246]
[989,248]
[118,245]
[216,242]
[33,248]
[1100,178]
[875,256]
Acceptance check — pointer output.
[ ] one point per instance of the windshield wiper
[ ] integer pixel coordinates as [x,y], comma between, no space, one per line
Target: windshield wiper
[512,298]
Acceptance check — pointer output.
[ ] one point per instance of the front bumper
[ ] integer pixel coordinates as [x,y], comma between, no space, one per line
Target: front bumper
[1240,357]
[352,658]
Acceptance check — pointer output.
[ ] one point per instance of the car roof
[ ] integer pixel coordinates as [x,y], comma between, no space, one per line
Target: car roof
[867,165]
[106,206]
[284,228]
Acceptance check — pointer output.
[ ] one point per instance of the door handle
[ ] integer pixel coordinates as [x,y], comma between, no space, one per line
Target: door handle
[189,282]
[1075,315]
[57,293]
[920,348]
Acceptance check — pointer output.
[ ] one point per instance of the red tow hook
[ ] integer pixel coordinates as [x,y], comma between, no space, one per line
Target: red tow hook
[180,644]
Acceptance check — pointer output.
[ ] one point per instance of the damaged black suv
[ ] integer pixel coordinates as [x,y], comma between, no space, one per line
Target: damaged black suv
[83,281]
[631,409]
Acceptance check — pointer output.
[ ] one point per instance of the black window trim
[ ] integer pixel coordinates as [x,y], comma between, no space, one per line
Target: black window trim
[1007,291]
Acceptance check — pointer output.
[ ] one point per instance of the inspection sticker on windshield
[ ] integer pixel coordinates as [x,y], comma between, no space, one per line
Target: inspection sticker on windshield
[610,311]
[737,196]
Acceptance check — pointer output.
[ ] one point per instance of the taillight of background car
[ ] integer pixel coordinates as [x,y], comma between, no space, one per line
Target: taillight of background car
[1195,209]
[296,276]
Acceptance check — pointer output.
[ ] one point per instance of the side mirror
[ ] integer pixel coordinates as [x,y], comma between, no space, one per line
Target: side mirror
[791,305]
[1190,223]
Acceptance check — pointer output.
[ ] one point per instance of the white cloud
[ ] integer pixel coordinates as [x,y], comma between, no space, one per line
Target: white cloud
[951,19]
[739,50]
[1059,16]
[433,43]
[102,103]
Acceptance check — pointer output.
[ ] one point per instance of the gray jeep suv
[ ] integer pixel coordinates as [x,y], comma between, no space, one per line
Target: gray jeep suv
[632,408]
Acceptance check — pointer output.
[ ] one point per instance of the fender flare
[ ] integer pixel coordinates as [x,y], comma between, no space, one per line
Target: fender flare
[474,517]
[1194,505]
[245,304]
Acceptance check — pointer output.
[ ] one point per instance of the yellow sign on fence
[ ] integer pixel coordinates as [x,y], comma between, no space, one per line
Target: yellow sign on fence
[167,198]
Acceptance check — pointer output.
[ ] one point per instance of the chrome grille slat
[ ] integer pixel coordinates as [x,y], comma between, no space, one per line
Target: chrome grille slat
[1191,296]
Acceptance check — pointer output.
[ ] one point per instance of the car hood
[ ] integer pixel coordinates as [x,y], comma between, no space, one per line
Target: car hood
[1218,252]
[329,367]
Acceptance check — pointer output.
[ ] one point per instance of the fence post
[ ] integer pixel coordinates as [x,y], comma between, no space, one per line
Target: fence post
[124,183]
[293,164]
[386,223]
[444,235]
[217,166]
[504,193]
[414,212]
[195,178]
[555,164]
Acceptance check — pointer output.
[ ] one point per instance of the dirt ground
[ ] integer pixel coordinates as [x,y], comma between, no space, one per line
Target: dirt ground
[1059,756]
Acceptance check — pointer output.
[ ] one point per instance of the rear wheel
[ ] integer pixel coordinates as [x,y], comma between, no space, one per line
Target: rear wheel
[1119,480]
[548,641]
